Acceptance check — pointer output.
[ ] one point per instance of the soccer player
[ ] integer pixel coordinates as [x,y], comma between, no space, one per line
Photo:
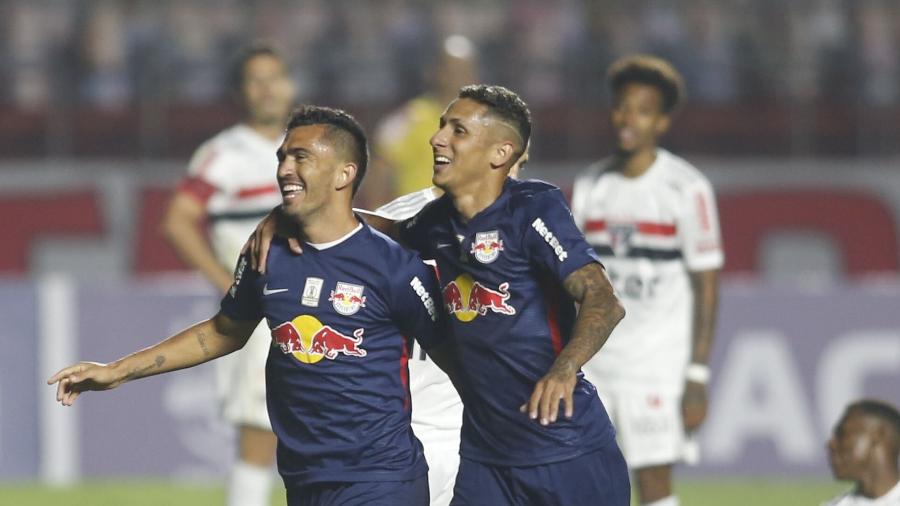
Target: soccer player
[651,216]
[512,264]
[864,448]
[336,373]
[437,408]
[230,185]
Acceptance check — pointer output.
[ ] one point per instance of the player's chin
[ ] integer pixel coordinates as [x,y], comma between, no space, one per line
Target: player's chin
[440,176]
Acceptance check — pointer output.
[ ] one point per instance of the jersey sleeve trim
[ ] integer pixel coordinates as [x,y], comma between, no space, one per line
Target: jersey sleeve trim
[198,188]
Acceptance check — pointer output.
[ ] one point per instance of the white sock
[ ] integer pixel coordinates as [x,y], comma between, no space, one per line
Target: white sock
[248,485]
[665,501]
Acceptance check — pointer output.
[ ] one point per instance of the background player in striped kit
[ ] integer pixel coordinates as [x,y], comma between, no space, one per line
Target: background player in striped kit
[229,184]
[651,216]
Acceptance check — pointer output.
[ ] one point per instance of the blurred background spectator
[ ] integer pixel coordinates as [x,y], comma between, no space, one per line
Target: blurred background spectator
[821,75]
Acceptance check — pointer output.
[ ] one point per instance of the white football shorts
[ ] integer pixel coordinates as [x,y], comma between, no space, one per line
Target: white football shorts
[241,381]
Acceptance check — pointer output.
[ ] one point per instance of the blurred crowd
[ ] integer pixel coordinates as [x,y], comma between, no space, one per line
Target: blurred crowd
[118,53]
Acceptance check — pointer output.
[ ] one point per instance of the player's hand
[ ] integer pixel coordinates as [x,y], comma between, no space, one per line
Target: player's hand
[693,405]
[258,243]
[557,385]
[82,377]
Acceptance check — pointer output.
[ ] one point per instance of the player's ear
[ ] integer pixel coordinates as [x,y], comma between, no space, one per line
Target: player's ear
[502,154]
[345,176]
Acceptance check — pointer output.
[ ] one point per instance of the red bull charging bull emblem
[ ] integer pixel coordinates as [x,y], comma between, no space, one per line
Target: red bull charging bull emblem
[487,246]
[347,298]
[309,341]
[466,299]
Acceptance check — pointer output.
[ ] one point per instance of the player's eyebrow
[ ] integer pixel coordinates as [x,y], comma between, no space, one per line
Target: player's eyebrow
[284,153]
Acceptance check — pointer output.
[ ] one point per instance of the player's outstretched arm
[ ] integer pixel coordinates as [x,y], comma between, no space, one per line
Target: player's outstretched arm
[199,343]
[599,313]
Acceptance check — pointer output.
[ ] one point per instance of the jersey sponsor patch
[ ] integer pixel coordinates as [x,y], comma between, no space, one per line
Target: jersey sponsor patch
[312,291]
[424,296]
[467,299]
[308,340]
[347,298]
[541,228]
[487,246]
[238,274]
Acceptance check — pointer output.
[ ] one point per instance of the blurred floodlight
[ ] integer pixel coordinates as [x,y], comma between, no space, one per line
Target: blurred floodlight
[459,46]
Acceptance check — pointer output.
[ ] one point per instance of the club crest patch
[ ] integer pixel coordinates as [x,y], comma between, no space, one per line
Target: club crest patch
[487,246]
[620,238]
[347,298]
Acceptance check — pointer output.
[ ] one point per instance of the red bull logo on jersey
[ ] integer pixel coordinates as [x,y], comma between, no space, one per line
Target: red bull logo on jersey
[467,299]
[347,299]
[487,246]
[309,341]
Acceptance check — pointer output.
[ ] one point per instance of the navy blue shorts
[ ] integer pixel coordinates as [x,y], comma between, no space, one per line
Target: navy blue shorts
[597,479]
[374,493]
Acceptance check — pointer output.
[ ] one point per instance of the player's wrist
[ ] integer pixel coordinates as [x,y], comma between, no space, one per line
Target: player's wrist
[696,372]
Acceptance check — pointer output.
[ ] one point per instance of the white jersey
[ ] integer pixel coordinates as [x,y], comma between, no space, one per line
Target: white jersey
[892,498]
[233,174]
[649,232]
[435,403]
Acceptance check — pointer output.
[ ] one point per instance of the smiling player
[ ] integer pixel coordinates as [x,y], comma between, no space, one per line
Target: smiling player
[337,377]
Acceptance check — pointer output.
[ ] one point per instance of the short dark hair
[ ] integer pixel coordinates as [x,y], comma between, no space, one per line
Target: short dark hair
[244,55]
[649,70]
[342,129]
[880,410]
[505,104]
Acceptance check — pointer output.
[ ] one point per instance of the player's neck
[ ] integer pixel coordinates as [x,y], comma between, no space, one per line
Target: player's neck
[475,197]
[879,482]
[634,165]
[328,225]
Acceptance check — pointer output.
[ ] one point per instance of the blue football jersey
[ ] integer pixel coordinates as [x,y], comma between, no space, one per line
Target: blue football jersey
[336,377]
[509,317]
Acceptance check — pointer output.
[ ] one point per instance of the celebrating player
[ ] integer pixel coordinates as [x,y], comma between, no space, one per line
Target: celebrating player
[230,184]
[512,263]
[652,218]
[337,381]
[864,448]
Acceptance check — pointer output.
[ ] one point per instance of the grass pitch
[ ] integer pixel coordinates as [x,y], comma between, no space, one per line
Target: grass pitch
[693,492]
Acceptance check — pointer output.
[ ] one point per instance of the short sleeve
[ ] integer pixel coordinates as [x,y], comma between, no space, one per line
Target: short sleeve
[200,181]
[551,238]
[242,302]
[581,190]
[699,229]
[417,303]
[412,234]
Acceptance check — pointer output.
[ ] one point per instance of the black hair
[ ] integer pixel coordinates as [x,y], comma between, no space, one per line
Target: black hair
[506,105]
[652,71]
[880,410]
[342,129]
[244,55]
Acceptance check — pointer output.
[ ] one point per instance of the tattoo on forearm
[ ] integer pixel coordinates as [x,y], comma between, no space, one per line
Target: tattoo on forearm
[201,338]
[598,314]
[135,372]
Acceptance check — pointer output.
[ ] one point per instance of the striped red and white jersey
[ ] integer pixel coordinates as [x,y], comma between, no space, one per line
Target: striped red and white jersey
[233,175]
[649,231]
